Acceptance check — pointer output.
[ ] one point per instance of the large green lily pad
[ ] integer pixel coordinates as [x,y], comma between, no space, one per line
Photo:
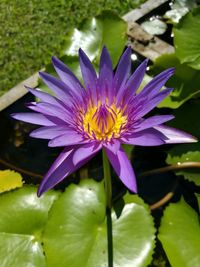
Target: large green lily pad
[22,218]
[185,81]
[78,221]
[106,29]
[22,212]
[187,119]
[187,39]
[179,234]
[20,250]
[179,8]
[184,154]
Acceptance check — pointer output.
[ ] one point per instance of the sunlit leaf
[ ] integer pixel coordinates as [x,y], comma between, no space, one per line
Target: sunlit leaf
[22,212]
[179,234]
[184,154]
[78,221]
[9,180]
[187,39]
[185,81]
[179,8]
[106,29]
[154,26]
[22,218]
[20,250]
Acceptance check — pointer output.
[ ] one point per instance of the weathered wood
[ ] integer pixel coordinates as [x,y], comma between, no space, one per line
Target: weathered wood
[18,91]
[146,44]
[142,10]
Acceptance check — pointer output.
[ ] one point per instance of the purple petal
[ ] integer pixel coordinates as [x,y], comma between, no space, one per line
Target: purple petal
[123,70]
[175,136]
[58,87]
[154,86]
[136,78]
[151,121]
[133,82]
[48,109]
[86,151]
[105,74]
[49,132]
[67,139]
[44,96]
[57,172]
[113,146]
[88,73]
[148,105]
[34,118]
[123,168]
[68,77]
[65,165]
[148,137]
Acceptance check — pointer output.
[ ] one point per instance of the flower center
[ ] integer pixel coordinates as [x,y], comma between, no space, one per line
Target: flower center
[103,122]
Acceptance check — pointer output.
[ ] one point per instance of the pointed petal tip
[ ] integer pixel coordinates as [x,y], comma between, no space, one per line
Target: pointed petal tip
[13,115]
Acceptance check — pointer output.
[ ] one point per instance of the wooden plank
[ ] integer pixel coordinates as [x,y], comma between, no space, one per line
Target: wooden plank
[18,91]
[142,10]
[146,44]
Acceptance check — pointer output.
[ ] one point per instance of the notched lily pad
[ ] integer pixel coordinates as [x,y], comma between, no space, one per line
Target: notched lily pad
[186,153]
[22,212]
[154,26]
[22,218]
[20,250]
[187,39]
[78,221]
[179,8]
[106,29]
[185,81]
[179,234]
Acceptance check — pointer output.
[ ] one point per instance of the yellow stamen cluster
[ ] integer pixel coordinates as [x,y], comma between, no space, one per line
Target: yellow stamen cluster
[103,122]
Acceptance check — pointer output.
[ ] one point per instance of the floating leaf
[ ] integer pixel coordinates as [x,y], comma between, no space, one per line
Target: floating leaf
[106,29]
[22,218]
[179,234]
[78,221]
[154,26]
[185,81]
[187,39]
[187,119]
[179,8]
[20,250]
[9,180]
[186,153]
[22,212]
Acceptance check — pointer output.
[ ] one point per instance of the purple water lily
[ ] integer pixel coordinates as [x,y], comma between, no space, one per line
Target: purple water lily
[103,114]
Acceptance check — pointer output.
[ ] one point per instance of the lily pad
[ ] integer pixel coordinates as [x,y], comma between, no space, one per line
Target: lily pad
[179,8]
[184,89]
[106,29]
[187,39]
[78,221]
[179,234]
[154,26]
[22,218]
[9,180]
[22,212]
[184,154]
[20,250]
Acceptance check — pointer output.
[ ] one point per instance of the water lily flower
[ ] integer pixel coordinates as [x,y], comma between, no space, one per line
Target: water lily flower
[103,114]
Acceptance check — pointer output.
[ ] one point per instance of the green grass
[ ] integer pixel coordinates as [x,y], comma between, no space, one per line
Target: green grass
[32,31]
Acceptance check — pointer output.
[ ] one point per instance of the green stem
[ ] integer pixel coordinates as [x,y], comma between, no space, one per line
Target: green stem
[108,191]
[107,180]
